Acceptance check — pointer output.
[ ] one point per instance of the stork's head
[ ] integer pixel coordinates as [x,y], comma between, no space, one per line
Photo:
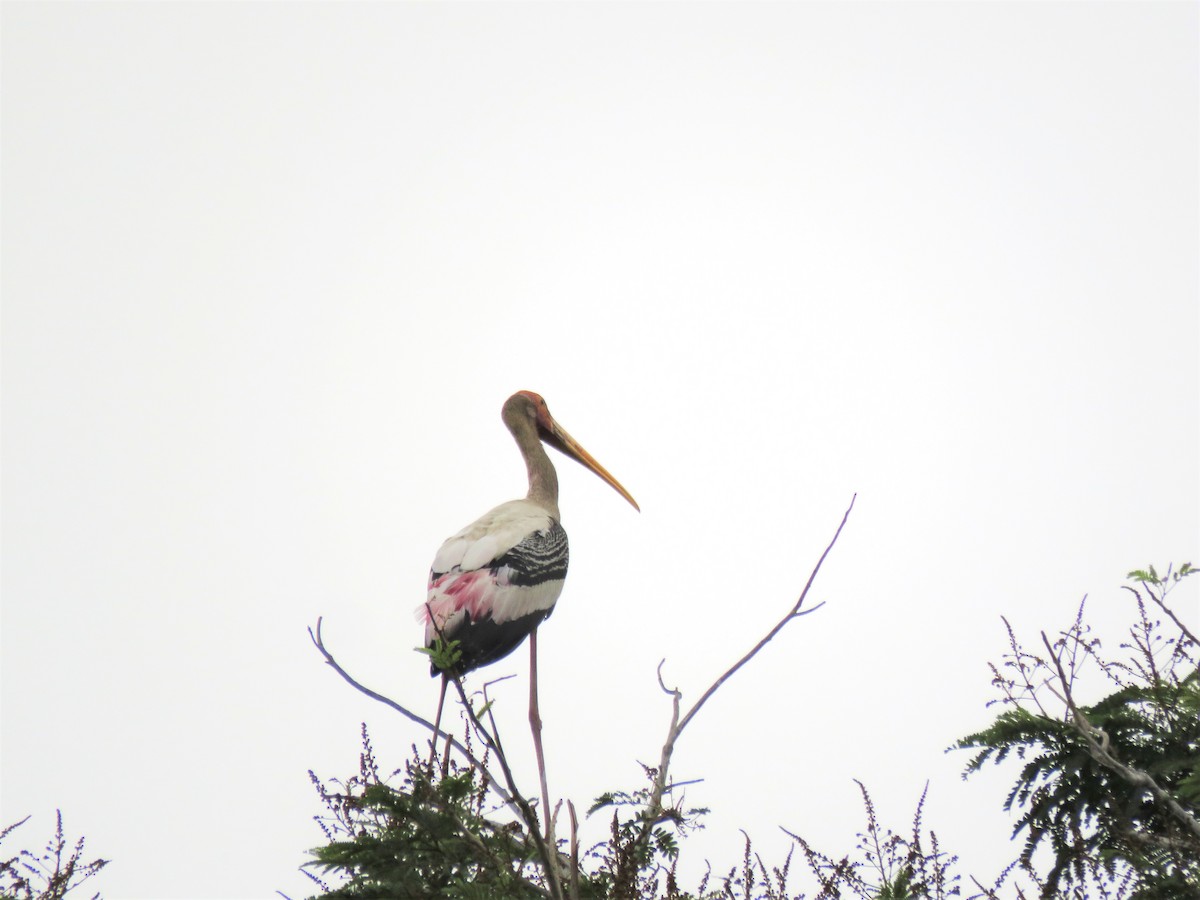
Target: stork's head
[525,408]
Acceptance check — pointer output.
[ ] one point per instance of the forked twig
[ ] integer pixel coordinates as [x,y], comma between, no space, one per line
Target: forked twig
[794,613]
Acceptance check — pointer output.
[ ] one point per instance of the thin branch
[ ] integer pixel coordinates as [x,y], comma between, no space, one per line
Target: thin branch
[574,851]
[1098,746]
[319,643]
[794,612]
[535,728]
[488,708]
[661,683]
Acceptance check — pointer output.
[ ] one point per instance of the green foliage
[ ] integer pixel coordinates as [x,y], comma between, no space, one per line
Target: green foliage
[642,848]
[432,835]
[1111,789]
[427,837]
[443,655]
[49,875]
[1148,575]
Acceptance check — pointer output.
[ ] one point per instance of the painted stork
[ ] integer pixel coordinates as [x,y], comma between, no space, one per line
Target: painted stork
[495,581]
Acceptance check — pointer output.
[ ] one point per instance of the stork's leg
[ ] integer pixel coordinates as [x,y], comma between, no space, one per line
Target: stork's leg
[535,724]
[437,725]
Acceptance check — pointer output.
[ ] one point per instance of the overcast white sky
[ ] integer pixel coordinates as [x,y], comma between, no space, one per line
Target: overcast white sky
[270,271]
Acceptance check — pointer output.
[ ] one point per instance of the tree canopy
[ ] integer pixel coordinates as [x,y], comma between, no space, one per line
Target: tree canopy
[1105,800]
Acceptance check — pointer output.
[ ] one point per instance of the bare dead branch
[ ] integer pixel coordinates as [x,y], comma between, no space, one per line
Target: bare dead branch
[792,613]
[574,851]
[661,684]
[654,803]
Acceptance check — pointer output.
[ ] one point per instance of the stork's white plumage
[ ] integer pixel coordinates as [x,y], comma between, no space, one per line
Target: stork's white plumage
[494,532]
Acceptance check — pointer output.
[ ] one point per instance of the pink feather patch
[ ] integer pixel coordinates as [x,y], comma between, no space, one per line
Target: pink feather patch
[461,591]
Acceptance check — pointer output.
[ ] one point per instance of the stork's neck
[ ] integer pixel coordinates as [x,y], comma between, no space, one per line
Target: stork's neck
[543,480]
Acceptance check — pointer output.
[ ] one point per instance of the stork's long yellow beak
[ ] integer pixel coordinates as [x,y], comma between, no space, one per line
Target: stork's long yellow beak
[557,437]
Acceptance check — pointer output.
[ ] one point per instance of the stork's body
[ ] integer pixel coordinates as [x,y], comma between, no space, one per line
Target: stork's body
[495,581]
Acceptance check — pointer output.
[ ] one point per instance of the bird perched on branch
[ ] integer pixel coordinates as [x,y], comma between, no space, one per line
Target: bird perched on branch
[496,581]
